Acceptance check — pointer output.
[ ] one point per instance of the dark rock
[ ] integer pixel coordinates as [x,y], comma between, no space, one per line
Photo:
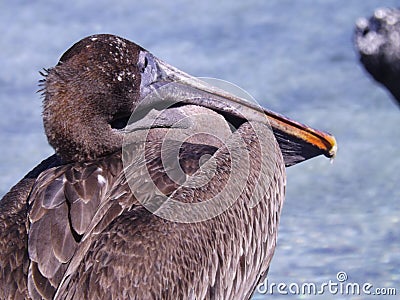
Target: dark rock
[377,40]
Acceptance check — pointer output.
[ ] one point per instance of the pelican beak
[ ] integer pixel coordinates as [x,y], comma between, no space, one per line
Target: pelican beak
[297,141]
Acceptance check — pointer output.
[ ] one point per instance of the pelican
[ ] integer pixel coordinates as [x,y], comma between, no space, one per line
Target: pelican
[162,186]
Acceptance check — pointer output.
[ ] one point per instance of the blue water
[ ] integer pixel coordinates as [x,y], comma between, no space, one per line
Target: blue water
[295,57]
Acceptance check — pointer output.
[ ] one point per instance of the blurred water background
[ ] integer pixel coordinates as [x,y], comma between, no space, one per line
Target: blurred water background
[294,57]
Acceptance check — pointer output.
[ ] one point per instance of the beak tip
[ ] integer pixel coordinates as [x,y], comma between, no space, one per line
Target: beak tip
[331,153]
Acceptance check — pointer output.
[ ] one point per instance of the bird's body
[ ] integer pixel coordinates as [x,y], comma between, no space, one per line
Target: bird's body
[113,215]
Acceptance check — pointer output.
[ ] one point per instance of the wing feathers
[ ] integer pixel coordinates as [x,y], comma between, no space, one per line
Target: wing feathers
[72,206]
[62,239]
[53,195]
[63,203]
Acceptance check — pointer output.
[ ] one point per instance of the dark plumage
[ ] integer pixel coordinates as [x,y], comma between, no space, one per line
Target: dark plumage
[377,41]
[112,215]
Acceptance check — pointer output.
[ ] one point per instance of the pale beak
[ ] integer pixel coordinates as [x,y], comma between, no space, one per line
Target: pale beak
[297,141]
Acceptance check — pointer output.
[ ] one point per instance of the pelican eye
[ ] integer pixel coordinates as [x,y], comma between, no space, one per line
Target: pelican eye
[143,67]
[119,122]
